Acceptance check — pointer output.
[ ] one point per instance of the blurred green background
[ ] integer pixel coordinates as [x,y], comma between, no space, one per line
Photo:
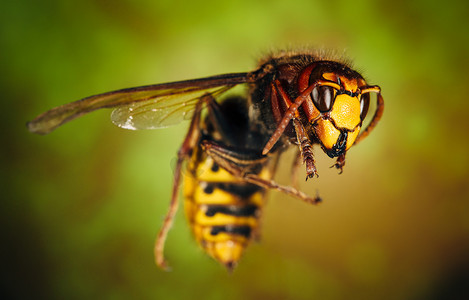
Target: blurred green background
[81,206]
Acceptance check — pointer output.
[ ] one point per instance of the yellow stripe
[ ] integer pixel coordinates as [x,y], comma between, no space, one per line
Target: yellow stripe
[204,172]
[220,219]
[205,236]
[223,247]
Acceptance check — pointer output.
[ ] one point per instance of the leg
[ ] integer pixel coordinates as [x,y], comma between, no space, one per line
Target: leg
[244,165]
[289,114]
[190,141]
[305,149]
[340,163]
[270,184]
[293,115]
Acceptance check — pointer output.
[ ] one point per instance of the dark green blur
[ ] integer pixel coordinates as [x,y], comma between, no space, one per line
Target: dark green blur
[81,207]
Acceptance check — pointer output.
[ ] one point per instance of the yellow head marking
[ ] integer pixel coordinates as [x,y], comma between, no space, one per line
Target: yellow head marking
[346,111]
[330,76]
[352,136]
[327,133]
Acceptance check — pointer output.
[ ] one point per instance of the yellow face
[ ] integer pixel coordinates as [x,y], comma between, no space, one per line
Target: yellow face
[341,110]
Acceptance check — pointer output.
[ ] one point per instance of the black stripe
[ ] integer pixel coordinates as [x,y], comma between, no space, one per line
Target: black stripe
[232,210]
[243,190]
[243,230]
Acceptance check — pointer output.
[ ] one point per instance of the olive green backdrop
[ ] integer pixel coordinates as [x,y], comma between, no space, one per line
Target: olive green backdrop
[81,206]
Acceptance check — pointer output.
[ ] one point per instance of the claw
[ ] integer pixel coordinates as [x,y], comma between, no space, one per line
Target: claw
[310,168]
[340,163]
[311,175]
[339,167]
[318,199]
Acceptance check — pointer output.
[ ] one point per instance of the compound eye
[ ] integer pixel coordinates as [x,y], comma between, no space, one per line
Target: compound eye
[364,105]
[323,96]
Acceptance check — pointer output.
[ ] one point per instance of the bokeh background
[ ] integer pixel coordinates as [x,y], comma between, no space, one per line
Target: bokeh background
[81,206]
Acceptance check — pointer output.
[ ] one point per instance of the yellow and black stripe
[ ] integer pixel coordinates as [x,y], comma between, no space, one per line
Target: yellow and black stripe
[223,211]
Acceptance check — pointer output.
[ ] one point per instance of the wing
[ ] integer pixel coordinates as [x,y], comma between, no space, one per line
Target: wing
[145,107]
[162,111]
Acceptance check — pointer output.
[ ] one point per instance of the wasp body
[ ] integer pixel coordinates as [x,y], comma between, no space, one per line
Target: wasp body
[297,99]
[223,210]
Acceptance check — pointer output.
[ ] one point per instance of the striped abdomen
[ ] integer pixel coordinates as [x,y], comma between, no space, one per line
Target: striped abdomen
[223,211]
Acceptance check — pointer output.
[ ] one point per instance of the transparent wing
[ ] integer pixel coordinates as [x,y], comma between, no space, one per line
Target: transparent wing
[152,106]
[162,111]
